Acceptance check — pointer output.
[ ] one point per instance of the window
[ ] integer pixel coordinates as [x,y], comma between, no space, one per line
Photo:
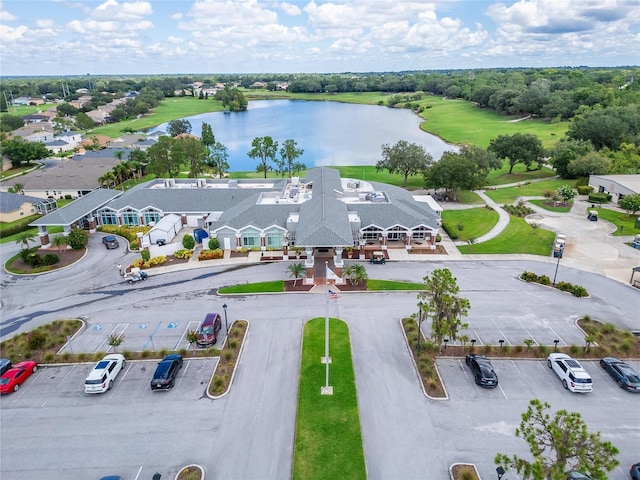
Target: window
[250,238]
[108,218]
[130,218]
[275,238]
[151,217]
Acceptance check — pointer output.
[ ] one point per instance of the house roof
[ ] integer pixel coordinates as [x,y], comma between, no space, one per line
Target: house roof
[10,202]
[77,209]
[630,182]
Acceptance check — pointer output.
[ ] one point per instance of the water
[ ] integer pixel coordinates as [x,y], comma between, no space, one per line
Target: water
[331,133]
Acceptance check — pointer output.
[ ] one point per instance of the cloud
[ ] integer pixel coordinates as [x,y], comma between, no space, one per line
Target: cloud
[290,9]
[112,10]
[12,34]
[7,17]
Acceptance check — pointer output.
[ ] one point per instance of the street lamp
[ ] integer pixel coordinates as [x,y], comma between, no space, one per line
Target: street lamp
[446,340]
[501,341]
[226,324]
[500,471]
[555,348]
[420,305]
[558,254]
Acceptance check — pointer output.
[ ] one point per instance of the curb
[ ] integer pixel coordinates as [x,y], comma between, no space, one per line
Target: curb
[235,367]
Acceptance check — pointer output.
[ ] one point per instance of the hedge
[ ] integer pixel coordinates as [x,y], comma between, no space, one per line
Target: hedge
[599,197]
[575,290]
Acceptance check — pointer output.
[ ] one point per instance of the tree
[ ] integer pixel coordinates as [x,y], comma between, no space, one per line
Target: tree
[178,127]
[296,270]
[566,193]
[21,151]
[161,161]
[107,179]
[264,149]
[356,273]
[593,163]
[218,158]
[207,136]
[523,148]
[567,150]
[23,238]
[631,203]
[60,241]
[289,153]
[62,124]
[190,151]
[558,445]
[84,122]
[405,159]
[192,337]
[444,305]
[115,341]
[9,123]
[17,188]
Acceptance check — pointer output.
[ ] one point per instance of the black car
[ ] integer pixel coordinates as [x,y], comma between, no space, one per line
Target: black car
[5,364]
[166,372]
[482,370]
[110,241]
[635,471]
[624,375]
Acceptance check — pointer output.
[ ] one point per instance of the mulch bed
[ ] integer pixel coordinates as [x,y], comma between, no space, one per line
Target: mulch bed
[439,250]
[299,286]
[171,260]
[235,254]
[458,471]
[67,257]
[352,287]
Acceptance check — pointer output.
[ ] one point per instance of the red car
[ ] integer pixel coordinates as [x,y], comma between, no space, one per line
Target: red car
[16,375]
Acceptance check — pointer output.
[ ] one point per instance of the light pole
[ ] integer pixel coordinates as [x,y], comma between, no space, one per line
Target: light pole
[500,471]
[226,324]
[558,254]
[420,305]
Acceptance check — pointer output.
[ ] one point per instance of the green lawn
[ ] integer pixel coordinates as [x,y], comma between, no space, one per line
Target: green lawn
[460,122]
[518,237]
[625,223]
[467,197]
[560,208]
[276,286]
[169,109]
[22,110]
[476,221]
[508,195]
[328,442]
[519,174]
[373,285]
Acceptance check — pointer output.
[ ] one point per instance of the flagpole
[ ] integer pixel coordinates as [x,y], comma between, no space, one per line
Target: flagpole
[326,390]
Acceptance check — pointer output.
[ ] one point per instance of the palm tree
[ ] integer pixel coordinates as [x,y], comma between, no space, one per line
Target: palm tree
[107,179]
[356,273]
[60,241]
[296,270]
[17,187]
[24,238]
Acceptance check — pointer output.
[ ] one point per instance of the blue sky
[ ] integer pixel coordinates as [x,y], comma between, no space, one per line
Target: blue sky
[57,37]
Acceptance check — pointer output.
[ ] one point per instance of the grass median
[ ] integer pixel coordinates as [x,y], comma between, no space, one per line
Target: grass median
[328,443]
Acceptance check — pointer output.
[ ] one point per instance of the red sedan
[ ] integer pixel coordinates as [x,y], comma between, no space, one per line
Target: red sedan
[16,375]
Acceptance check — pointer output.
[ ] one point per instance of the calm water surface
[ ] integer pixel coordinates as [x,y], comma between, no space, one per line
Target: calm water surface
[330,133]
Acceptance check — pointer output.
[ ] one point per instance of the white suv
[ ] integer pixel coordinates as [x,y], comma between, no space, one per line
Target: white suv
[101,378]
[573,376]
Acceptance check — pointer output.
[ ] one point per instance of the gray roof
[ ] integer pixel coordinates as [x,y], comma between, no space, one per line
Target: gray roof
[77,209]
[324,220]
[247,212]
[10,202]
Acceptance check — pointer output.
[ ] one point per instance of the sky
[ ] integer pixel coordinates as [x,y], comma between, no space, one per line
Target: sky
[103,37]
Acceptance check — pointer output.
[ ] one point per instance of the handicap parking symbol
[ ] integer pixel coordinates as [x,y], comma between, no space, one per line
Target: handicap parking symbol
[98,327]
[172,325]
[143,326]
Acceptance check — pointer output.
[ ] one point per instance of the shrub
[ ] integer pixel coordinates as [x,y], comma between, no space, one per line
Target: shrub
[49,357]
[50,259]
[579,291]
[33,259]
[210,254]
[145,353]
[529,277]
[145,254]
[36,340]
[544,280]
[155,261]
[584,189]
[574,349]
[78,238]
[97,356]
[126,231]
[564,286]
[599,197]
[213,244]
[183,253]
[543,349]
[452,231]
[188,242]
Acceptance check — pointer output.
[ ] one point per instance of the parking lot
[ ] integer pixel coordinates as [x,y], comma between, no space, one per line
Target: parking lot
[495,413]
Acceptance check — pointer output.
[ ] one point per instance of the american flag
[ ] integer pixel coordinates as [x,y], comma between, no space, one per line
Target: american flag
[333,295]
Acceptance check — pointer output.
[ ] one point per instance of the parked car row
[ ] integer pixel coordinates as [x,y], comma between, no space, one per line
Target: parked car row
[104,373]
[572,375]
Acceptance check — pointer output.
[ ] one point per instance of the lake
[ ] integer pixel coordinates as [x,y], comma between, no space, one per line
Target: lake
[331,133]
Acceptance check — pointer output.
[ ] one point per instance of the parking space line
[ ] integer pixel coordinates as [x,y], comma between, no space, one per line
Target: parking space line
[126,325]
[125,374]
[558,336]
[68,373]
[478,337]
[150,338]
[505,395]
[464,370]
[188,328]
[184,372]
[528,332]
[138,474]
[516,367]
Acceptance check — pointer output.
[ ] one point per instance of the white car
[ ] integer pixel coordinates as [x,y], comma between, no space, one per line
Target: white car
[573,376]
[101,378]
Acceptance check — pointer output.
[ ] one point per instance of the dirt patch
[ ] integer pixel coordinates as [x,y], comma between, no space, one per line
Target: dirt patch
[235,254]
[299,286]
[353,287]
[460,470]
